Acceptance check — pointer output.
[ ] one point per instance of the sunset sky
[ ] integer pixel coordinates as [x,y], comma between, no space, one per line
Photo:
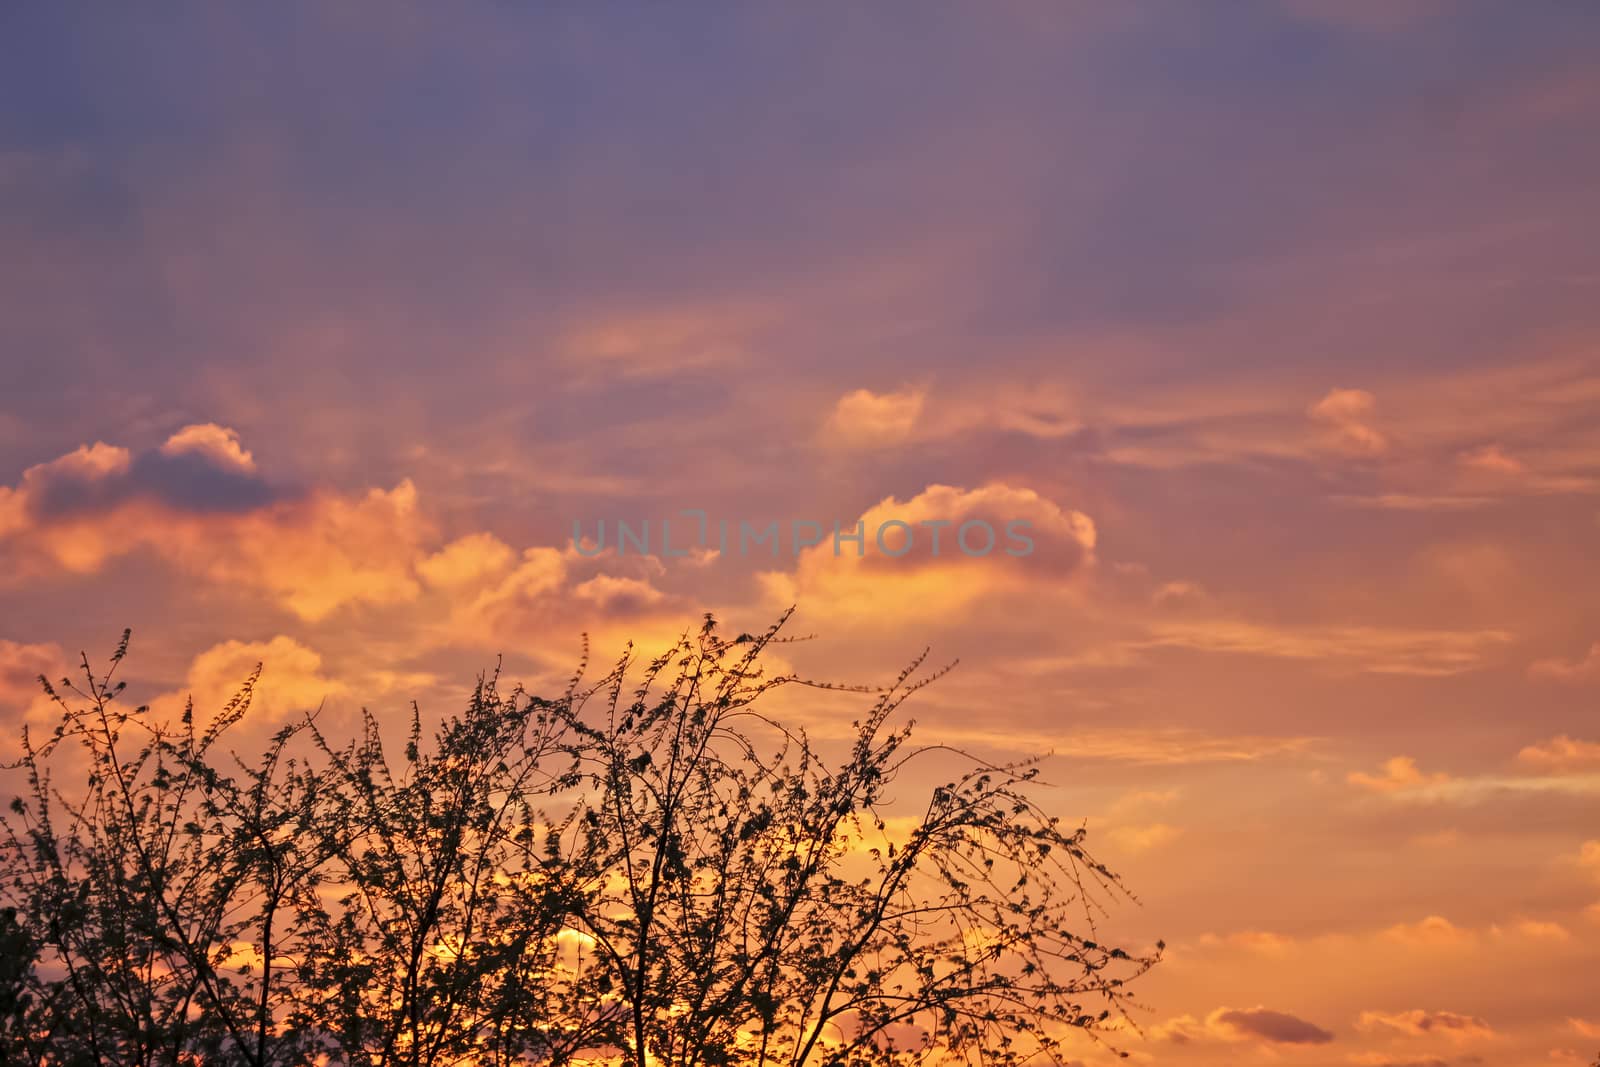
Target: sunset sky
[321,325]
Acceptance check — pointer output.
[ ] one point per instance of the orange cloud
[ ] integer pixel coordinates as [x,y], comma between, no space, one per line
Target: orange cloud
[1421,1023]
[217,443]
[867,418]
[1561,754]
[1256,942]
[1384,1059]
[1492,459]
[1573,671]
[467,560]
[198,503]
[932,574]
[292,681]
[20,668]
[1142,838]
[1042,410]
[1589,857]
[1377,650]
[1235,1025]
[611,593]
[1540,930]
[1433,931]
[318,554]
[1347,414]
[1400,774]
[658,342]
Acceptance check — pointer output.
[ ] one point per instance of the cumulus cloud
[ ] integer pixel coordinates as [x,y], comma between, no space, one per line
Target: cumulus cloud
[311,553]
[292,681]
[219,444]
[1399,774]
[548,592]
[199,503]
[867,418]
[1561,754]
[612,593]
[467,560]
[1346,415]
[1419,1022]
[1273,1026]
[1435,932]
[1235,1024]
[1040,410]
[200,468]
[317,554]
[940,550]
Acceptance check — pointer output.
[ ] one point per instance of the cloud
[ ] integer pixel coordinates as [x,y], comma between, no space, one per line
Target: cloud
[1347,416]
[1401,778]
[1433,931]
[1539,930]
[1178,591]
[1234,1024]
[1384,1059]
[1373,649]
[1589,857]
[1133,838]
[1041,410]
[1143,799]
[1560,754]
[1155,747]
[1399,774]
[866,418]
[954,545]
[201,468]
[1416,502]
[292,681]
[316,555]
[1491,459]
[217,443]
[1272,1026]
[504,605]
[20,668]
[467,560]
[662,342]
[1256,942]
[198,503]
[613,594]
[1420,1023]
[1573,671]
[558,594]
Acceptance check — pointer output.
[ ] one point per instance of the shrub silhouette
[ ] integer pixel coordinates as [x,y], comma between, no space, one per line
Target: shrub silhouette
[648,870]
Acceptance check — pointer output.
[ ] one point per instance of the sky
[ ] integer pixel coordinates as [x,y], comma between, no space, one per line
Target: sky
[1278,322]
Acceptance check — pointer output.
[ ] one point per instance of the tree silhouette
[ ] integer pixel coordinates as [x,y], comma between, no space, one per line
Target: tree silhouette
[649,869]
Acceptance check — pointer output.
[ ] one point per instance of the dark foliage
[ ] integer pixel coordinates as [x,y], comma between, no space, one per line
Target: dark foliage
[647,870]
